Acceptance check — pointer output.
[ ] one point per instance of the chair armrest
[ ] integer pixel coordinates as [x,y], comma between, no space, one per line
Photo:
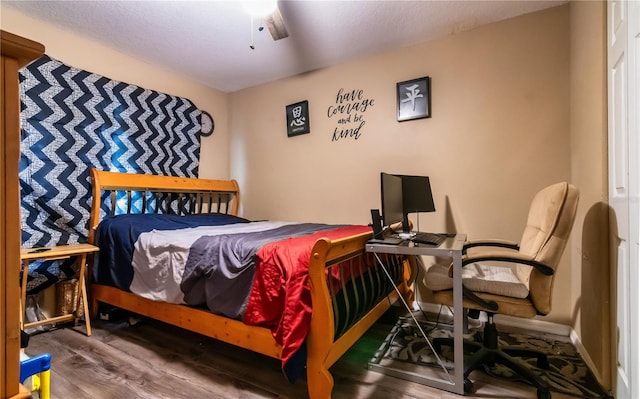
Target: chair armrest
[513,257]
[490,243]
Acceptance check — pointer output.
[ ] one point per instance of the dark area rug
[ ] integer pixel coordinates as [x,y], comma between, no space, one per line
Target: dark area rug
[567,372]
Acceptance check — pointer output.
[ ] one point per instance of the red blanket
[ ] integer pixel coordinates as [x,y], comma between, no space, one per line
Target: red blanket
[280,297]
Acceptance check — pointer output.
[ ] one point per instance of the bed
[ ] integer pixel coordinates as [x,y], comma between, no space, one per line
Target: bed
[310,295]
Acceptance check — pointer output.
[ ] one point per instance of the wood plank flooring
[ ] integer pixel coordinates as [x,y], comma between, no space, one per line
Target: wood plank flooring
[156,360]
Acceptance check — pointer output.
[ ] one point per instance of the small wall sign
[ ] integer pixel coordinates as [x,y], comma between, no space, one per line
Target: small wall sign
[298,118]
[414,99]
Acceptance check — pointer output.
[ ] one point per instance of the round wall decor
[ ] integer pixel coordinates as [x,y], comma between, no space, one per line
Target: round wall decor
[207,124]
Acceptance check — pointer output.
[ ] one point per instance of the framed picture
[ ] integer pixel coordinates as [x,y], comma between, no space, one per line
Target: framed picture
[414,99]
[298,118]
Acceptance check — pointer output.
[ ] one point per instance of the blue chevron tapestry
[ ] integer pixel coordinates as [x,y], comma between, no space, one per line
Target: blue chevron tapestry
[73,120]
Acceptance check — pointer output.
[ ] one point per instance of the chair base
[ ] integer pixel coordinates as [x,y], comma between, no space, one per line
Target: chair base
[488,352]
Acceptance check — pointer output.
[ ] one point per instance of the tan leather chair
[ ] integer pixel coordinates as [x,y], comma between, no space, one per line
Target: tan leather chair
[522,287]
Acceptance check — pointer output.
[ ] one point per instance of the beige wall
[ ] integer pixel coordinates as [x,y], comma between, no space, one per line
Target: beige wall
[82,52]
[590,272]
[517,105]
[500,131]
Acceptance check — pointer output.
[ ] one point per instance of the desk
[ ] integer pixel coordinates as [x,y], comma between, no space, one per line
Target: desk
[452,248]
[54,253]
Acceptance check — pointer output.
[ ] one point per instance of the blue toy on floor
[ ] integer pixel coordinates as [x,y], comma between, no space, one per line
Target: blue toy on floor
[38,367]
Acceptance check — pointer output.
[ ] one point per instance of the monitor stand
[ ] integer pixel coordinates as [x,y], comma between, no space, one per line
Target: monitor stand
[406,233]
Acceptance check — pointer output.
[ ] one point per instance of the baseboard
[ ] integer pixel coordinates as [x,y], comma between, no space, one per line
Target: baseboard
[575,340]
[530,325]
[502,320]
[536,325]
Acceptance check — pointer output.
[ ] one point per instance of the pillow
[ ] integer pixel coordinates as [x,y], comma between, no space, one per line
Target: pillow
[493,280]
[478,277]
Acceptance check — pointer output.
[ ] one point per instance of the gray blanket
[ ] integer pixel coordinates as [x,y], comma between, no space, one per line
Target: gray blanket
[220,269]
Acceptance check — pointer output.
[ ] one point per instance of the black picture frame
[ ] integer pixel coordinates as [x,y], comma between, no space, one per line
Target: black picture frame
[413,99]
[298,118]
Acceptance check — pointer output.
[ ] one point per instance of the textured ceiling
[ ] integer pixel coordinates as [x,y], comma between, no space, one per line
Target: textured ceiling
[209,40]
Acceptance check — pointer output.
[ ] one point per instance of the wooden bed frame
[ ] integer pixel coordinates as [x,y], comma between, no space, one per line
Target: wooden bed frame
[324,346]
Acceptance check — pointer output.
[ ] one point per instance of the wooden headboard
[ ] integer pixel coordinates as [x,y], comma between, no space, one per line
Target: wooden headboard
[197,196]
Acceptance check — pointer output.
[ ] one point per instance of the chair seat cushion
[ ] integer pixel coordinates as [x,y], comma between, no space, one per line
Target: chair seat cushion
[478,277]
[509,306]
[497,280]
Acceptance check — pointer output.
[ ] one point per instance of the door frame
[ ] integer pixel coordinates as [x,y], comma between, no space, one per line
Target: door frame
[623,49]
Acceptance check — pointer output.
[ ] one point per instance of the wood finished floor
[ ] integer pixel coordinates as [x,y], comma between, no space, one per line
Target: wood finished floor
[155,360]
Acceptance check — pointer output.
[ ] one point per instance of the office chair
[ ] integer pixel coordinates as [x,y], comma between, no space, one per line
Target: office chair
[522,287]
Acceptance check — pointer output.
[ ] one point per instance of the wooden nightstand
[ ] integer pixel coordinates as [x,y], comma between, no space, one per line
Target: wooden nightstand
[53,253]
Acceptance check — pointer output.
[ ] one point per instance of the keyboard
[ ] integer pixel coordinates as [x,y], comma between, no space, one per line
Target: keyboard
[428,238]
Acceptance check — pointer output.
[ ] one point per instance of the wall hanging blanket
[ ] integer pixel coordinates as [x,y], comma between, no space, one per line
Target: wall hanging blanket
[73,120]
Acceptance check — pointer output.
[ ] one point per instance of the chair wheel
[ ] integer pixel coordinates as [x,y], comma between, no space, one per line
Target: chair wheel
[544,394]
[468,385]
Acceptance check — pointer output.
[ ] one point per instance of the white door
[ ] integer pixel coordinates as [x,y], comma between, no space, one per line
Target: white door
[622,42]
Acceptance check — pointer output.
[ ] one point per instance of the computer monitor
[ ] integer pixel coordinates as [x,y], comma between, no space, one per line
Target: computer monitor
[404,194]
[391,196]
[416,196]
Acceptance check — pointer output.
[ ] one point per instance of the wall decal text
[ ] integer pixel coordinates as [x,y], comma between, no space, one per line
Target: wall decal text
[349,110]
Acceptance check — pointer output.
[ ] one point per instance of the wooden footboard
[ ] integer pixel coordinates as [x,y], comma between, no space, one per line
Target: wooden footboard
[342,309]
[323,345]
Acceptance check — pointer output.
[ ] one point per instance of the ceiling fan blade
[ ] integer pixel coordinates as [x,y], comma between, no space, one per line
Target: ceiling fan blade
[275,23]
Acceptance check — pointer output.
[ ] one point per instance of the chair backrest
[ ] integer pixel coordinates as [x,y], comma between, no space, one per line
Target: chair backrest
[551,216]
